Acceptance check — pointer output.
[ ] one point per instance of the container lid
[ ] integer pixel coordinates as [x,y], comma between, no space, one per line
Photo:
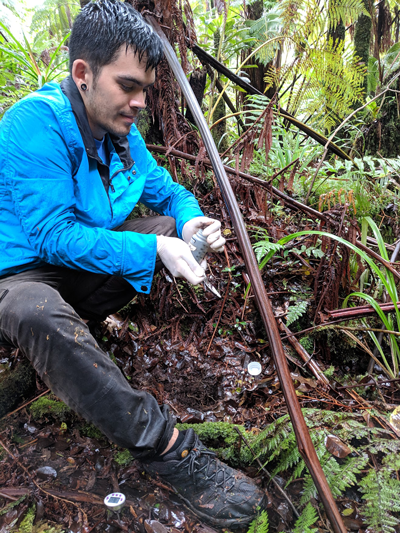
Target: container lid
[254,368]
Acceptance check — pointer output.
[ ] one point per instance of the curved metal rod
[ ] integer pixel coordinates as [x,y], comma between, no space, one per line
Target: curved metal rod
[304,442]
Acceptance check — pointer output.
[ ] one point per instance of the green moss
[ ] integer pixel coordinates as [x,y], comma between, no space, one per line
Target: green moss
[91,431]
[27,523]
[47,407]
[15,385]
[307,343]
[123,458]
[222,438]
[383,132]
[143,123]
[362,38]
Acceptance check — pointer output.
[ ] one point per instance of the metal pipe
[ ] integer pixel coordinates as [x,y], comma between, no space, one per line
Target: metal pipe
[304,442]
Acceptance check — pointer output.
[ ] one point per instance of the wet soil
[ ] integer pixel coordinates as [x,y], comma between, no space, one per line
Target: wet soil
[190,350]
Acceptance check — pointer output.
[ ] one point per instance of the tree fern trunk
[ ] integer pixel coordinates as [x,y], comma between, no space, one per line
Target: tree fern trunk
[254,11]
[336,30]
[219,131]
[362,38]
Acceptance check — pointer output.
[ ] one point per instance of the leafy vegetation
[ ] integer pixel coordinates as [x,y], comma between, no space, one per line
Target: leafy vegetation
[50,407]
[24,69]
[260,524]
[313,61]
[306,520]
[276,446]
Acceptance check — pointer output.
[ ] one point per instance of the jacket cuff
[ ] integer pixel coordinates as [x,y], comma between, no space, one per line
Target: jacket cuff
[140,278]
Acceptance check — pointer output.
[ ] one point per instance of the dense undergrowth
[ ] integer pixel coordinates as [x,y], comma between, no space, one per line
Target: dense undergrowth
[310,263]
[355,453]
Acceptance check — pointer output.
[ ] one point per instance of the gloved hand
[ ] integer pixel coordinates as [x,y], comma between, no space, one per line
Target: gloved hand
[178,259]
[211,230]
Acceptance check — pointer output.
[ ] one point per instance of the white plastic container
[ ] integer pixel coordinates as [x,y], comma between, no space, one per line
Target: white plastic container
[254,368]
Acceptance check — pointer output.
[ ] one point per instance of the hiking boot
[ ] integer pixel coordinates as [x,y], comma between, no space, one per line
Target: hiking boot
[216,493]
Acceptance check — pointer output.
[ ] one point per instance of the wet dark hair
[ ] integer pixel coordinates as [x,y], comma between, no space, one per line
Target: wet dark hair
[102,27]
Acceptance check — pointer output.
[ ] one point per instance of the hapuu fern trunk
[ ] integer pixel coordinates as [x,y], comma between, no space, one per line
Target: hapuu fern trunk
[362,39]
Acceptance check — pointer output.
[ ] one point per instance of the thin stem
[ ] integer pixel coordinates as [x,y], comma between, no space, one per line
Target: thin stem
[339,128]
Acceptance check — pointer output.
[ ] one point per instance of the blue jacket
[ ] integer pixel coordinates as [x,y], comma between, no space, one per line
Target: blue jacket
[58,201]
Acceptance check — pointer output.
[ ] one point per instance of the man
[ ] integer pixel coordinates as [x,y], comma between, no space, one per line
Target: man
[72,168]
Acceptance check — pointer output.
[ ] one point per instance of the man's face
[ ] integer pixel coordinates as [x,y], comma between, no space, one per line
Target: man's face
[114,99]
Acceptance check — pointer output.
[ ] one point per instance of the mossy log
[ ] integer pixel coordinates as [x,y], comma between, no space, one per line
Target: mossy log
[382,135]
[362,39]
[16,384]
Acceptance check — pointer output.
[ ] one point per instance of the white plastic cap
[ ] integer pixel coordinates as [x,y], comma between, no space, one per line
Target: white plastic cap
[254,368]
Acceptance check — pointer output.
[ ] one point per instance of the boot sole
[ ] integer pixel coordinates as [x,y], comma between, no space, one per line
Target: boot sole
[232,523]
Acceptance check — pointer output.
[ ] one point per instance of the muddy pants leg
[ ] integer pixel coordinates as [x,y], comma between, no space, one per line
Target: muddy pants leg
[39,314]
[34,318]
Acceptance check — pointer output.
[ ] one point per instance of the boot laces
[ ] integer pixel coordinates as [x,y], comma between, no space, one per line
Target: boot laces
[212,468]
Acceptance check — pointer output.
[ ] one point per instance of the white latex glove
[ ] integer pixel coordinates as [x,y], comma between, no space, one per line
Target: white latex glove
[178,259]
[211,230]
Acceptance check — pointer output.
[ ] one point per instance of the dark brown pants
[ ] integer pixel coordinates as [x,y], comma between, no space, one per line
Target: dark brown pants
[41,313]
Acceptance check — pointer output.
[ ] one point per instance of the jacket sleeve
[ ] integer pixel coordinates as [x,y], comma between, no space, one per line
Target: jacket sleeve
[40,175]
[163,195]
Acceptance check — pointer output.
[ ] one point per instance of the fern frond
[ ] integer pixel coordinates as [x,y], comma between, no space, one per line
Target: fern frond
[392,460]
[307,519]
[339,476]
[345,476]
[381,495]
[383,446]
[345,12]
[259,524]
[287,460]
[261,248]
[295,312]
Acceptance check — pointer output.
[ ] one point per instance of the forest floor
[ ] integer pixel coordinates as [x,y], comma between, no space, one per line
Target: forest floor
[190,349]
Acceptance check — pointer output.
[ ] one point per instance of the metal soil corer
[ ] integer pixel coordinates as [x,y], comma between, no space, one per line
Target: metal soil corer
[199,247]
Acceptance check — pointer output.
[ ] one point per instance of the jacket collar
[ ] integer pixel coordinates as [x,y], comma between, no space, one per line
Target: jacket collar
[121,144]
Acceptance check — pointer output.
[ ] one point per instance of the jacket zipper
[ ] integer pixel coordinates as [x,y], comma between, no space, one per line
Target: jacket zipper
[115,173]
[112,186]
[110,181]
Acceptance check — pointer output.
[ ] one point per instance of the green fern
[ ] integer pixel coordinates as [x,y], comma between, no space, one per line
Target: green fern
[381,493]
[261,248]
[307,519]
[392,460]
[339,476]
[259,524]
[383,446]
[295,312]
[277,445]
